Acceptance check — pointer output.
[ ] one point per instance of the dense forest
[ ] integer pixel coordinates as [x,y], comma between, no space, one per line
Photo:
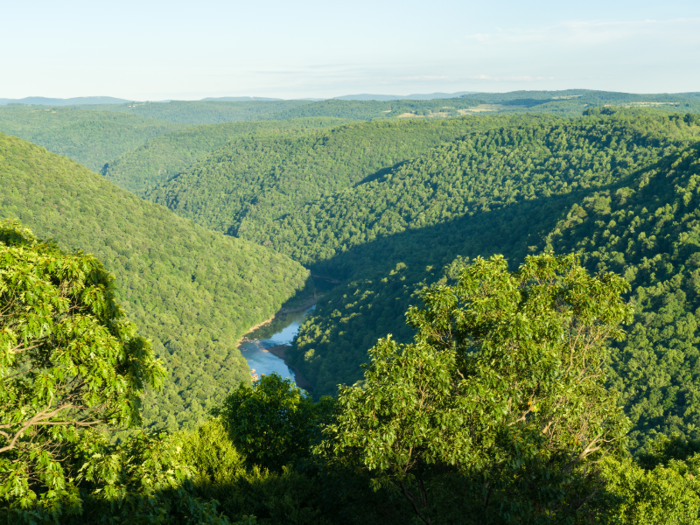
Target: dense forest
[191,291]
[164,157]
[257,179]
[507,297]
[97,134]
[91,138]
[395,235]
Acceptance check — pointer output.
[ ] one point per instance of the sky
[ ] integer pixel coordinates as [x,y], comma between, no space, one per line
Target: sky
[161,50]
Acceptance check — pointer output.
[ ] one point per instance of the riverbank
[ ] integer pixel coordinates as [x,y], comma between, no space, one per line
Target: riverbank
[244,339]
[281,352]
[304,306]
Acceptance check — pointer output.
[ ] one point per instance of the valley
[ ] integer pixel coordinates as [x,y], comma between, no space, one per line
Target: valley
[343,246]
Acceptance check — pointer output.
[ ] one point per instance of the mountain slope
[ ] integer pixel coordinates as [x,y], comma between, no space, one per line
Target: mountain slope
[378,109]
[161,158]
[192,291]
[648,229]
[247,184]
[91,138]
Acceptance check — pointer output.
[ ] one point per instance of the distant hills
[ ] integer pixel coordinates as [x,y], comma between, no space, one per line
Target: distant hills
[415,96]
[95,134]
[514,98]
[77,101]
[165,156]
[92,138]
[240,99]
[81,101]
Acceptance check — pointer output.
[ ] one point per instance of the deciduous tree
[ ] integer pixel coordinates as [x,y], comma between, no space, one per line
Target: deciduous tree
[502,390]
[69,361]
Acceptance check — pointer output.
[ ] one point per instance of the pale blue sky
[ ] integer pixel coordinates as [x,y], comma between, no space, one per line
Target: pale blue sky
[154,50]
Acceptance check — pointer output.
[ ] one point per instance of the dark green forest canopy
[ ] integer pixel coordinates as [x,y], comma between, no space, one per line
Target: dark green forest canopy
[500,191]
[648,229]
[245,185]
[496,164]
[162,158]
[91,138]
[193,292]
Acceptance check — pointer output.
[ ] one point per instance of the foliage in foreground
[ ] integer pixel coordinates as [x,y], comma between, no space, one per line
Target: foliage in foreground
[68,361]
[496,414]
[274,423]
[504,386]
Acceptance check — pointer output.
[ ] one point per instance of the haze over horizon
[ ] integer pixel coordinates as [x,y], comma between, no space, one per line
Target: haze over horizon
[162,51]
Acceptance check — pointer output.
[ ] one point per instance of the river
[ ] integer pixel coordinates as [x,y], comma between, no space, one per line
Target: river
[281,331]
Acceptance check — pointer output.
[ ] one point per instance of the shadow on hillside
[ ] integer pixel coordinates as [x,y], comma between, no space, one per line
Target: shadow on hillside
[382,278]
[341,496]
[380,173]
[514,230]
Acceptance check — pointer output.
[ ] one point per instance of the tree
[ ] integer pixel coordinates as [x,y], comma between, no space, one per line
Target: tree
[661,486]
[500,401]
[274,423]
[69,361]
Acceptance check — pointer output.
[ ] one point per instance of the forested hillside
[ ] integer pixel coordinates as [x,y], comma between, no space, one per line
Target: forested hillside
[573,102]
[100,133]
[162,158]
[193,292]
[499,260]
[647,228]
[374,109]
[244,186]
[210,112]
[91,138]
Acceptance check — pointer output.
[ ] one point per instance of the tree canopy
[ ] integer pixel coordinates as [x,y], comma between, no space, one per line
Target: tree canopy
[162,158]
[504,383]
[69,361]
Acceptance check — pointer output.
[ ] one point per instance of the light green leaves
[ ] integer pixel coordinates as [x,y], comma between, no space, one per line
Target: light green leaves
[503,388]
[68,361]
